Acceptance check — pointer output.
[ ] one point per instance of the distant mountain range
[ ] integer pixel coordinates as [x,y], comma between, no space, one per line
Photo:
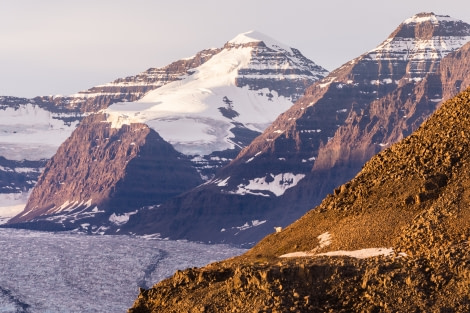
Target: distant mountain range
[228,144]
[207,107]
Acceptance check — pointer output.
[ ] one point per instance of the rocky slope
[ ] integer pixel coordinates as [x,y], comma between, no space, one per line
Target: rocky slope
[325,138]
[207,107]
[385,121]
[393,239]
[101,172]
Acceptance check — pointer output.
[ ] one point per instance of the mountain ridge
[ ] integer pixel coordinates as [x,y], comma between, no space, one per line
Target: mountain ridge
[365,105]
[205,112]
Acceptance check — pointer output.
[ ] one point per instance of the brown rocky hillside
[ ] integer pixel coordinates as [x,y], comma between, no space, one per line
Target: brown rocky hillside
[412,198]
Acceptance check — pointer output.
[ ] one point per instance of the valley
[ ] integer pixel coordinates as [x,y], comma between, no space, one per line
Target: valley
[66,272]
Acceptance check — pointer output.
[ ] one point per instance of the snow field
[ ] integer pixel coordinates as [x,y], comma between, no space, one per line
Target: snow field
[32,133]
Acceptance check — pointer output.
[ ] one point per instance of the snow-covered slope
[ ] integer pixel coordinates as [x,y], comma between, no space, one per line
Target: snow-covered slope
[238,88]
[31,132]
[29,135]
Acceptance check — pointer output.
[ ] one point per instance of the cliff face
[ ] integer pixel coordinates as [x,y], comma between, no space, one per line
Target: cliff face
[394,238]
[325,138]
[100,169]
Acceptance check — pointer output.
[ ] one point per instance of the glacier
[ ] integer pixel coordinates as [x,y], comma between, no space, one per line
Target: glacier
[70,272]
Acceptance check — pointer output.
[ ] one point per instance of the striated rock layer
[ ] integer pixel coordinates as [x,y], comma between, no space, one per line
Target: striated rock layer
[404,221]
[207,107]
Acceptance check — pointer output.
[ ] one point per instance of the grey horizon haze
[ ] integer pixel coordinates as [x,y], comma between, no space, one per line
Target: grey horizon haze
[54,47]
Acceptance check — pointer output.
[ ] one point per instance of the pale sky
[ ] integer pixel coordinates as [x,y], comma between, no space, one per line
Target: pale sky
[51,47]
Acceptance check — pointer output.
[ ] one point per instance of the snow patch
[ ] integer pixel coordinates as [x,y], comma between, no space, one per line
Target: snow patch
[222,183]
[358,254]
[277,184]
[325,240]
[325,83]
[122,219]
[435,19]
[247,225]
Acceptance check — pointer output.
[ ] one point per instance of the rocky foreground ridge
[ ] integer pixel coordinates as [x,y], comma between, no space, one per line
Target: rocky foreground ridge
[410,203]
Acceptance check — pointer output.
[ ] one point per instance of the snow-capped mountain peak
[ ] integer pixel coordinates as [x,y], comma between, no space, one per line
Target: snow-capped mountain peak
[208,107]
[256,36]
[243,86]
[421,40]
[431,17]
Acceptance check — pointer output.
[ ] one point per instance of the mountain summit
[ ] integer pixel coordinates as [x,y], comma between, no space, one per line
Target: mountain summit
[179,124]
[324,139]
[419,43]
[241,89]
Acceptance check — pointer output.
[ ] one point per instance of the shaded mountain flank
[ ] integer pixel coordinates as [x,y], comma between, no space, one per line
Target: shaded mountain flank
[100,172]
[325,138]
[393,239]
